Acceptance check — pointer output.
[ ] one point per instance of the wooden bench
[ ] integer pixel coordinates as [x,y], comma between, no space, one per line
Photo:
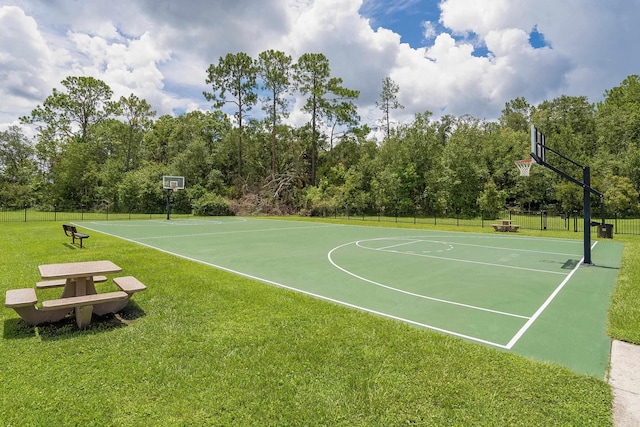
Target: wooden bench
[61,282]
[70,231]
[84,304]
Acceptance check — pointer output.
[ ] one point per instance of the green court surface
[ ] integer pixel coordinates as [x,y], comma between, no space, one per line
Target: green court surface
[531,296]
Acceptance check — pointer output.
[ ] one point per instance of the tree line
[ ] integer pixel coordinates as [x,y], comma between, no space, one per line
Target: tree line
[102,153]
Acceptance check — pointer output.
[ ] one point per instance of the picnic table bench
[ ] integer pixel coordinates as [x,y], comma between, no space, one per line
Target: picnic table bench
[505,226]
[71,231]
[79,293]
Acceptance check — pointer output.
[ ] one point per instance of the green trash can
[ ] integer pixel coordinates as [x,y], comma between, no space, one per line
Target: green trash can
[605,231]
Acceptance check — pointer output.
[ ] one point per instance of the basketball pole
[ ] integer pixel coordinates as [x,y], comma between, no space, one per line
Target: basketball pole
[587,191]
[168,204]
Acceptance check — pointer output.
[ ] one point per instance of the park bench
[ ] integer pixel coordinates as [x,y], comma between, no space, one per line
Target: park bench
[70,230]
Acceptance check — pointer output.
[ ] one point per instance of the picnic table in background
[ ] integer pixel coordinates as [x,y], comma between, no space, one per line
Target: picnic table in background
[505,226]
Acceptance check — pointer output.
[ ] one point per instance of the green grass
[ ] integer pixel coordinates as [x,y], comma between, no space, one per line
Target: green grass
[624,312]
[30,215]
[205,347]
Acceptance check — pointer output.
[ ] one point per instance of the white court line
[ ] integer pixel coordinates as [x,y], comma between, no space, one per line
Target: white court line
[219,233]
[508,346]
[399,244]
[466,261]
[413,294]
[537,314]
[321,297]
[513,249]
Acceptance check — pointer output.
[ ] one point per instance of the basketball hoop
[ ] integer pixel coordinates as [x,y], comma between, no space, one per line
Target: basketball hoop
[524,166]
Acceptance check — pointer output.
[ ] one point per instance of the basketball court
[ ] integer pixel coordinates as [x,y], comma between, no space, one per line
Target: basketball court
[531,296]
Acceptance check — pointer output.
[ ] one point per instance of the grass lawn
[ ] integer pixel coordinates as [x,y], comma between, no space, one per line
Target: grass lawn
[205,347]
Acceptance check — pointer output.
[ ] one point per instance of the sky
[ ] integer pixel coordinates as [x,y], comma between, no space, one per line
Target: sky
[446,56]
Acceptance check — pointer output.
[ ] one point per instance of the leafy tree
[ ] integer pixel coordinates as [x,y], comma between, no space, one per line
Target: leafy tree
[16,157]
[71,114]
[16,167]
[343,111]
[620,196]
[569,125]
[491,201]
[388,101]
[67,122]
[618,117]
[516,115]
[274,68]
[137,115]
[312,77]
[236,75]
[570,197]
[463,176]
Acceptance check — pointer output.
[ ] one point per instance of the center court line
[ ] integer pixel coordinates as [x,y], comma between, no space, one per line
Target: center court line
[537,314]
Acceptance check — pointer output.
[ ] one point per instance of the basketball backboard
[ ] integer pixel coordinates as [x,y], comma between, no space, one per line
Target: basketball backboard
[538,144]
[173,182]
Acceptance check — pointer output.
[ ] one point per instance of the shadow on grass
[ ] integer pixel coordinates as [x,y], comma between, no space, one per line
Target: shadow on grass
[67,327]
[17,328]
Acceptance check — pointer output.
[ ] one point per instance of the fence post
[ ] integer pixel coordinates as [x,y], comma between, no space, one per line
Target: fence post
[55,212]
[25,212]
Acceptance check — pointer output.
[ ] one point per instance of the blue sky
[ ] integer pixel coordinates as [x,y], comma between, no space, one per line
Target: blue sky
[447,56]
[417,23]
[406,18]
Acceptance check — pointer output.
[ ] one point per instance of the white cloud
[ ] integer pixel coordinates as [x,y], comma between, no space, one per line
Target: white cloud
[160,49]
[429,30]
[25,61]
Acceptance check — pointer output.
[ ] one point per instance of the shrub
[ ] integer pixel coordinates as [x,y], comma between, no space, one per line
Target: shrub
[212,204]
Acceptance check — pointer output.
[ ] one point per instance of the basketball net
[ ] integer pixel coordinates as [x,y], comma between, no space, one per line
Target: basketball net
[524,166]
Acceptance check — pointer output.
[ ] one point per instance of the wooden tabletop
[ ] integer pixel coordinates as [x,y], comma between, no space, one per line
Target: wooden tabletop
[77,269]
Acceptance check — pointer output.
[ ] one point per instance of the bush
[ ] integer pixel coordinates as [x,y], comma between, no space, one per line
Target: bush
[211,204]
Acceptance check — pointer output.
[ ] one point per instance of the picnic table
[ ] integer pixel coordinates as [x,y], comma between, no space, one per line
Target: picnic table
[79,293]
[78,275]
[505,226]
